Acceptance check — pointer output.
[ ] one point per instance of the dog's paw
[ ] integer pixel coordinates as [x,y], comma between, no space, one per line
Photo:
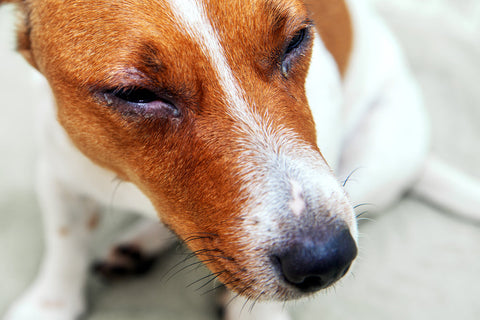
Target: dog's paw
[37,305]
[123,261]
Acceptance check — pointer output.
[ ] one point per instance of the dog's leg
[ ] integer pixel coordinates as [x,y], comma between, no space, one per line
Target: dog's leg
[69,219]
[135,251]
[450,188]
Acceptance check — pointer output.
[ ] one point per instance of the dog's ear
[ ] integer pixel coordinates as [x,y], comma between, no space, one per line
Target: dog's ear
[23,30]
[10,1]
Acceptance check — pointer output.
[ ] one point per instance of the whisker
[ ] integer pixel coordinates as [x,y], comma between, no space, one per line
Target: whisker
[194,238]
[216,256]
[189,256]
[366,219]
[349,176]
[197,263]
[202,278]
[195,254]
[118,182]
[202,234]
[247,300]
[219,286]
[361,213]
[245,289]
[363,204]
[255,301]
[186,267]
[200,251]
[234,297]
[215,277]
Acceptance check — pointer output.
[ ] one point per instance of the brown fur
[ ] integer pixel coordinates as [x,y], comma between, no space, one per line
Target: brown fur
[188,165]
[334,24]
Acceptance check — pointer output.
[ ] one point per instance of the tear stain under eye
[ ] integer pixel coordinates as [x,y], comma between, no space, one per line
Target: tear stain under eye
[284,70]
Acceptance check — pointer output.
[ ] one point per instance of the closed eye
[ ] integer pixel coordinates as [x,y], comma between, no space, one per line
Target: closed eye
[294,49]
[141,102]
[135,95]
[296,41]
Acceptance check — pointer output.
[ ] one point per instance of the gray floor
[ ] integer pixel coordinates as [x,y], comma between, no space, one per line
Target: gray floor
[417,262]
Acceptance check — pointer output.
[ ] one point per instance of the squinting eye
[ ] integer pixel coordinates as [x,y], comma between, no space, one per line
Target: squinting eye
[139,101]
[135,95]
[296,41]
[293,50]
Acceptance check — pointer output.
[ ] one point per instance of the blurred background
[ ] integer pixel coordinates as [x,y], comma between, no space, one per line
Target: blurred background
[416,261]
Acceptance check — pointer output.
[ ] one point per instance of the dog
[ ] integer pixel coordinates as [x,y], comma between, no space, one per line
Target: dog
[236,124]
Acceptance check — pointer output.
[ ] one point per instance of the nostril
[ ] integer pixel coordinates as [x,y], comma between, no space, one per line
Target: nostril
[312,284]
[295,273]
[311,265]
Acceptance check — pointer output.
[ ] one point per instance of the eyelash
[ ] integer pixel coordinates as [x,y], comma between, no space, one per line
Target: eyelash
[294,46]
[296,41]
[140,102]
[145,101]
[135,95]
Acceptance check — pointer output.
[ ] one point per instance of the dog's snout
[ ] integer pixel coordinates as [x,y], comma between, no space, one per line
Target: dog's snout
[310,265]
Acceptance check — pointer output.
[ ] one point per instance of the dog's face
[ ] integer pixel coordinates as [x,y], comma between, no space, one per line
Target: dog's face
[202,105]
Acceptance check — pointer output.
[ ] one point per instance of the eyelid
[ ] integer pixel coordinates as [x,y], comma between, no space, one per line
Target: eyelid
[290,56]
[158,107]
[134,94]
[301,34]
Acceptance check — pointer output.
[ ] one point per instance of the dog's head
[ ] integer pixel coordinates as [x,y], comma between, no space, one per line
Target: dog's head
[202,105]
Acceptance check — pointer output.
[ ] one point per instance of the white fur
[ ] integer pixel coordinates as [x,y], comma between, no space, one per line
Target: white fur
[386,130]
[79,173]
[325,97]
[260,142]
[192,17]
[297,203]
[239,308]
[57,293]
[256,131]
[450,188]
[379,93]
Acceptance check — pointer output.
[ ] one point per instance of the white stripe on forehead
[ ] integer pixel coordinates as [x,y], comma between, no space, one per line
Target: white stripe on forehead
[257,133]
[258,138]
[191,14]
[269,154]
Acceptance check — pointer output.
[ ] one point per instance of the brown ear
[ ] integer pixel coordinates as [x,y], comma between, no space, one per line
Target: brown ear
[23,41]
[23,30]
[334,24]
[9,1]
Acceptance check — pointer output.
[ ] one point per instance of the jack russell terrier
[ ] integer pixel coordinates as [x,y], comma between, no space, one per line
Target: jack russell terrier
[237,124]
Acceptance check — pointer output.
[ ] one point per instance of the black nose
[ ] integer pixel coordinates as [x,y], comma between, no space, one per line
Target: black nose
[311,264]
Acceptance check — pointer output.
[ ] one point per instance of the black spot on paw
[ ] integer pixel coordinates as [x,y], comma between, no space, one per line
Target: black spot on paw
[124,261]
